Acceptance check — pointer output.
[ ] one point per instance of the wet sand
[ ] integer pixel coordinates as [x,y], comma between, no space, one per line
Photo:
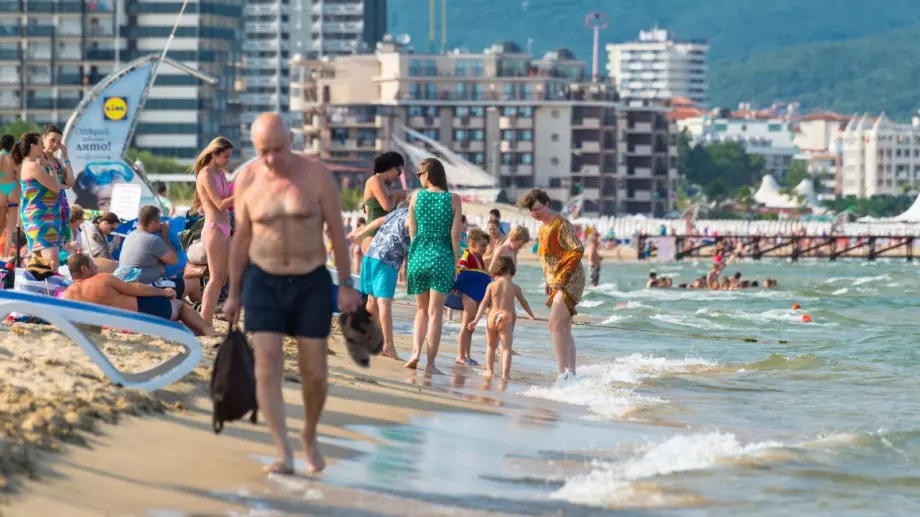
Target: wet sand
[169,461]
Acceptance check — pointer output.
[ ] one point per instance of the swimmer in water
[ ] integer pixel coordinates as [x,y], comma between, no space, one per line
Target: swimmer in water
[652,280]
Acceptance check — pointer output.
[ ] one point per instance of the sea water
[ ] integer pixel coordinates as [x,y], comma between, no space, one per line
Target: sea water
[697,403]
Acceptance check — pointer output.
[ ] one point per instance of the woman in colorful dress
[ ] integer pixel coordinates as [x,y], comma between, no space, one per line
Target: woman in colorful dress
[40,209]
[434,226]
[52,143]
[9,192]
[213,198]
[560,253]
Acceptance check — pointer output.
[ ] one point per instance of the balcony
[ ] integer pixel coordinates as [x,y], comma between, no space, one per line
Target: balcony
[336,45]
[587,170]
[641,172]
[10,103]
[270,27]
[640,150]
[586,123]
[9,55]
[343,144]
[39,31]
[69,79]
[67,104]
[39,79]
[40,7]
[100,55]
[39,104]
[476,145]
[508,147]
[264,9]
[524,170]
[70,7]
[641,195]
[338,10]
[640,127]
[341,27]
[588,147]
[362,120]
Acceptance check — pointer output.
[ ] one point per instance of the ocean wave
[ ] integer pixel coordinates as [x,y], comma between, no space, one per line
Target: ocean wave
[600,388]
[588,304]
[840,292]
[781,362]
[866,279]
[612,483]
[686,320]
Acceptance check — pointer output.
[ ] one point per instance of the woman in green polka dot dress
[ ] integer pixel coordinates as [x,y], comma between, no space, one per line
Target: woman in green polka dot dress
[434,226]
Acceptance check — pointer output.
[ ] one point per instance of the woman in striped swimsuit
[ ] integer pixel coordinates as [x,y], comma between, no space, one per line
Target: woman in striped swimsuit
[41,208]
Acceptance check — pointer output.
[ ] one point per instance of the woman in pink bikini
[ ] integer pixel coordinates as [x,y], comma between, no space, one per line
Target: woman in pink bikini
[214,197]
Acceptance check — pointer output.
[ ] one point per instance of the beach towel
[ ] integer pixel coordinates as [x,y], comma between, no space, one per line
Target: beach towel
[233,381]
[471,282]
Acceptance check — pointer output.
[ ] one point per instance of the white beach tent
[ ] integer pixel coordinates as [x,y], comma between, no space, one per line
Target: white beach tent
[911,215]
[768,194]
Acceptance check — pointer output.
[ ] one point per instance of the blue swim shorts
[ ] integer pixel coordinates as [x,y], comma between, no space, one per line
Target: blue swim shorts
[378,279]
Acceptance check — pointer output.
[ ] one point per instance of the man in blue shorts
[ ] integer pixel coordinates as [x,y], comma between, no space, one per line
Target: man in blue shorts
[380,269]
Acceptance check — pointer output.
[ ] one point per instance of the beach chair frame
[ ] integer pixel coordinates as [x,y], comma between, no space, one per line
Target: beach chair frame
[67,314]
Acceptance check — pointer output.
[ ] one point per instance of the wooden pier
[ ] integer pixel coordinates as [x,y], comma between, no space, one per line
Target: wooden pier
[865,247]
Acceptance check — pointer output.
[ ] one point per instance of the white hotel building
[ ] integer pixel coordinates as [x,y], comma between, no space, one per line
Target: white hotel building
[880,157]
[530,122]
[774,139]
[657,66]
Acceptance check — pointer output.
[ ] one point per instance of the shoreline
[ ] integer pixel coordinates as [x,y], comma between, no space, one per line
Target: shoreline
[63,470]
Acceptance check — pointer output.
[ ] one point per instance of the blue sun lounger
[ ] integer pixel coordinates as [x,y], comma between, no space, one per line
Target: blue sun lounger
[67,314]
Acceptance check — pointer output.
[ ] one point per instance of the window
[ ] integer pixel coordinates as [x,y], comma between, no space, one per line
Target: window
[340,135]
[555,182]
[477,93]
[477,111]
[479,158]
[526,159]
[431,68]
[431,133]
[510,111]
[508,135]
[461,91]
[462,67]
[461,111]
[460,135]
[414,91]
[431,91]
[525,111]
[415,67]
[431,112]
[415,111]
[507,158]
[476,69]
[525,135]
[774,128]
[526,91]
[478,135]
[509,92]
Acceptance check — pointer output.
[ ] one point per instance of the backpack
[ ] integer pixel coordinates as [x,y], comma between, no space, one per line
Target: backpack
[233,381]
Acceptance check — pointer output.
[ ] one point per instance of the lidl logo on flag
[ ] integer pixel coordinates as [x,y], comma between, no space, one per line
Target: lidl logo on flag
[115,108]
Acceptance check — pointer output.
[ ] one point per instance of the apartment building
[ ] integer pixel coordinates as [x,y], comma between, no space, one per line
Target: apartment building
[818,137]
[182,113]
[772,138]
[880,157]
[658,66]
[51,53]
[337,27]
[530,122]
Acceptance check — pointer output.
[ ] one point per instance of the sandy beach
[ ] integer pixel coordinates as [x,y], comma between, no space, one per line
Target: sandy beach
[70,436]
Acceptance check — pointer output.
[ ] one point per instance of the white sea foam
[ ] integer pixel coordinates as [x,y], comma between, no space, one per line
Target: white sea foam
[841,291]
[866,279]
[688,321]
[587,304]
[600,387]
[616,319]
[610,483]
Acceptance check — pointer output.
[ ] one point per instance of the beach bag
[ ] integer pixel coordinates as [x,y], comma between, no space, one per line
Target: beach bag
[196,253]
[233,381]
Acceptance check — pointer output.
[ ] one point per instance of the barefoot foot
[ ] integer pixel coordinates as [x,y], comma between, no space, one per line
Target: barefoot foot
[315,461]
[412,364]
[432,370]
[392,354]
[284,468]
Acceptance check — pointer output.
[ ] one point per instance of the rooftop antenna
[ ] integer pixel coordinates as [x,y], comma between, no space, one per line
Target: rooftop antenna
[431,26]
[443,26]
[596,22]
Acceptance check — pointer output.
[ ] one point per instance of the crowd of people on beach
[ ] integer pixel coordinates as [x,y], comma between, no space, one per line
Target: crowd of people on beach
[259,246]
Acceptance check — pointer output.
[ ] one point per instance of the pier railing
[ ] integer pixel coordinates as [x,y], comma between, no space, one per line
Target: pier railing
[794,247]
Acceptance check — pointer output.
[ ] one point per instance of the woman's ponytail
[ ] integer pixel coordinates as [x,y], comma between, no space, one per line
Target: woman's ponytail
[21,150]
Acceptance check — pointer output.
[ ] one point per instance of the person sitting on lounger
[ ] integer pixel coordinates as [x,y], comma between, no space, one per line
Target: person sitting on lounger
[106,289]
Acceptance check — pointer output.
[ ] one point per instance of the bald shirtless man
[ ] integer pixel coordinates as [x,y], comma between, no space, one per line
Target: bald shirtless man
[106,289]
[282,202]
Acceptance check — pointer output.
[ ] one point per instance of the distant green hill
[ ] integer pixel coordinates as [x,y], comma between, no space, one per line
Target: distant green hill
[741,33]
[873,73]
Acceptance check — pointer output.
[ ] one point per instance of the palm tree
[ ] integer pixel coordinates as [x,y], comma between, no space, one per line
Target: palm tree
[745,198]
